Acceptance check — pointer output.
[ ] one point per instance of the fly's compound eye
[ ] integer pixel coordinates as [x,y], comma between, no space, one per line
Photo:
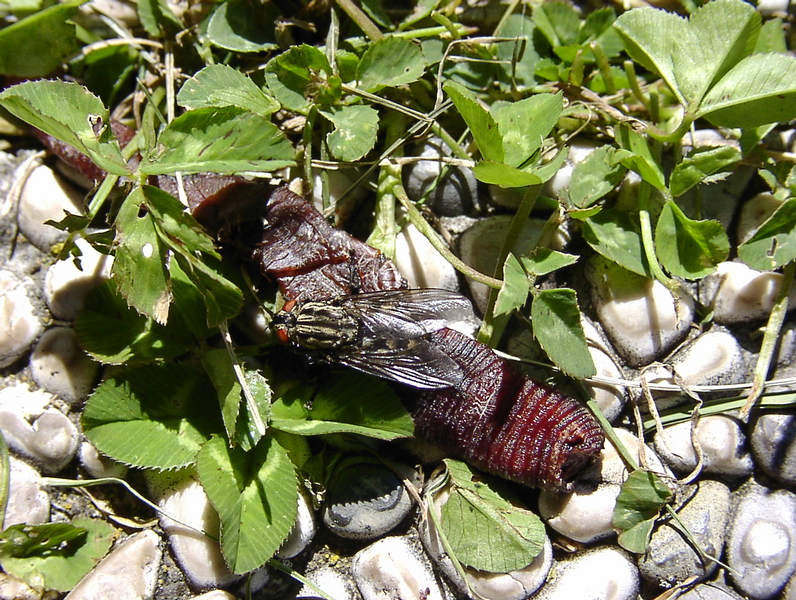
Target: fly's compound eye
[282,334]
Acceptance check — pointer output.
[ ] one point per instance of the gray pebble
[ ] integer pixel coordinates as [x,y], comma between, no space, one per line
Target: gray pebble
[366,500]
[45,197]
[774,445]
[710,591]
[670,559]
[721,439]
[455,194]
[99,466]
[131,568]
[20,324]
[639,315]
[28,501]
[713,357]
[753,213]
[60,366]
[761,546]
[394,568]
[610,398]
[214,595]
[738,294]
[601,574]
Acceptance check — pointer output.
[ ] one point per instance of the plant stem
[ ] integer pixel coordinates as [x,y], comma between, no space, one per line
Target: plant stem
[767,347]
[5,477]
[427,230]
[492,327]
[647,242]
[356,14]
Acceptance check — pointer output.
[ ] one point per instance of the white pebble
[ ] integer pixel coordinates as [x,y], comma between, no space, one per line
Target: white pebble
[515,585]
[479,247]
[51,440]
[421,264]
[60,366]
[27,501]
[773,7]
[27,403]
[722,441]
[19,322]
[331,582]
[609,398]
[130,570]
[557,185]
[761,550]
[12,588]
[66,286]
[392,568]
[585,514]
[45,197]
[99,466]
[738,294]
[713,357]
[639,315]
[303,530]
[199,556]
[754,213]
[599,574]
[214,595]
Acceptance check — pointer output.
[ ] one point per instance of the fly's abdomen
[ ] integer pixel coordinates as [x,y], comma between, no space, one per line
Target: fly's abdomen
[323,326]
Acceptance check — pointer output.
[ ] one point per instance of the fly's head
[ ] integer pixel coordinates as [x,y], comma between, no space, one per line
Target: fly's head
[284,325]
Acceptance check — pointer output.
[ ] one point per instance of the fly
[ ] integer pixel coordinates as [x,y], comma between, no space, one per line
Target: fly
[384,333]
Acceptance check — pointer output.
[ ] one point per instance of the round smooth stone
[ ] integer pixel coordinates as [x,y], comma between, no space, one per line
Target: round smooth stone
[96,465]
[455,194]
[723,446]
[421,264]
[738,294]
[51,440]
[710,591]
[712,358]
[366,500]
[610,398]
[130,570]
[639,315]
[601,574]
[20,324]
[60,366]
[774,445]
[393,568]
[761,547]
[585,514]
[45,197]
[12,588]
[514,585]
[303,531]
[28,502]
[332,582]
[214,595]
[754,212]
[479,247]
[199,556]
[669,558]
[558,185]
[66,286]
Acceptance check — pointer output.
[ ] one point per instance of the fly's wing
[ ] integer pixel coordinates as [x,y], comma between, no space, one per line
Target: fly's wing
[418,312]
[418,363]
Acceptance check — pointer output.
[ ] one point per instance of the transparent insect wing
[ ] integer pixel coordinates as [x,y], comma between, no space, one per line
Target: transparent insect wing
[421,366]
[428,309]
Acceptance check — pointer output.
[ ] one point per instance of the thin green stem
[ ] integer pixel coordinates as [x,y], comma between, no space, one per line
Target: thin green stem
[604,66]
[427,230]
[768,345]
[5,477]
[632,78]
[362,20]
[492,327]
[647,242]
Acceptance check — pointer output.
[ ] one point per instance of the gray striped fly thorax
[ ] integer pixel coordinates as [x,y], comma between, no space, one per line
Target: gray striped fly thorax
[324,326]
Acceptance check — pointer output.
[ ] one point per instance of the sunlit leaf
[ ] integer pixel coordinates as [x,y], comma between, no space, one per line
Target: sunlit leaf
[637,506]
[355,129]
[699,164]
[390,62]
[220,85]
[482,125]
[514,292]
[774,243]
[557,328]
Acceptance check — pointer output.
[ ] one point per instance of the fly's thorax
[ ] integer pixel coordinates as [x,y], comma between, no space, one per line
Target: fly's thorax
[323,326]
